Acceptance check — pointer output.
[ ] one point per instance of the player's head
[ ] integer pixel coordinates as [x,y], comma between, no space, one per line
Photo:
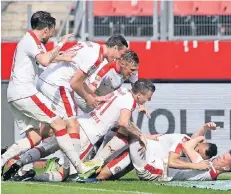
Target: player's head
[116,46]
[128,63]
[223,162]
[143,90]
[206,150]
[43,22]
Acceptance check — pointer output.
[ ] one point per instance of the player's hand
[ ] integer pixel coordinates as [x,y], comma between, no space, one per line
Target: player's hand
[211,126]
[142,108]
[68,56]
[65,38]
[203,165]
[90,100]
[101,99]
[155,137]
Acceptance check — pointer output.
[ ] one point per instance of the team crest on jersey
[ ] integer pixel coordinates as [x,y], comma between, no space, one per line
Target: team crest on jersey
[53,107]
[117,169]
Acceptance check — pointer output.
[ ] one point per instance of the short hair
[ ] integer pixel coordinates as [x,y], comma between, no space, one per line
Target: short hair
[42,19]
[130,56]
[116,40]
[143,86]
[211,151]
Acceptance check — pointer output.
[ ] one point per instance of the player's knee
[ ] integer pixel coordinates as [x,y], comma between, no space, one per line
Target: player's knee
[58,124]
[34,136]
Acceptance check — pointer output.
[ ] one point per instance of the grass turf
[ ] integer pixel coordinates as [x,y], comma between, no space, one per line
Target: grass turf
[128,184]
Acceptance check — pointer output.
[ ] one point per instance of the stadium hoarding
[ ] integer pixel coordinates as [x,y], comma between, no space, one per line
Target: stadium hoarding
[184,108]
[172,60]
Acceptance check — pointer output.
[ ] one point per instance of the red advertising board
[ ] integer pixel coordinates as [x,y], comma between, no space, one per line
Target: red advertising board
[164,60]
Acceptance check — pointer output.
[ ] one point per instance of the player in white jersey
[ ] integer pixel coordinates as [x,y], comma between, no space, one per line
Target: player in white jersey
[28,106]
[109,77]
[131,60]
[170,145]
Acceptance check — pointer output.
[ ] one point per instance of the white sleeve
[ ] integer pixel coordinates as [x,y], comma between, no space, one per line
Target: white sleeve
[88,60]
[177,146]
[32,49]
[126,101]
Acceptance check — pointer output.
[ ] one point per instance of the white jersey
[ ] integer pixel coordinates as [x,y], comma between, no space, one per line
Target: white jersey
[88,57]
[108,78]
[25,68]
[106,115]
[167,143]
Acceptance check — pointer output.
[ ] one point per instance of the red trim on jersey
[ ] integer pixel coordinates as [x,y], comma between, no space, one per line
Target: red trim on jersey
[61,132]
[86,151]
[62,175]
[134,105]
[42,106]
[66,102]
[179,148]
[74,135]
[213,174]
[117,160]
[31,142]
[153,170]
[100,57]
[38,42]
[107,106]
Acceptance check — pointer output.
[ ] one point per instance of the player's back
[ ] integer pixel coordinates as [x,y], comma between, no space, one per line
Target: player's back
[106,115]
[86,59]
[25,68]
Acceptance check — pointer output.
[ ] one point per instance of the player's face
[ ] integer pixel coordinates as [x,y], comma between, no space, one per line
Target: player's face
[142,98]
[201,149]
[47,34]
[127,69]
[223,162]
[116,53]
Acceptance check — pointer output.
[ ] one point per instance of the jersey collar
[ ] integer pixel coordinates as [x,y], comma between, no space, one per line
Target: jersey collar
[38,42]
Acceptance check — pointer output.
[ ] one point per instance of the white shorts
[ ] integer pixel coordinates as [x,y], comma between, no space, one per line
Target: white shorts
[29,112]
[119,163]
[86,146]
[61,97]
[151,171]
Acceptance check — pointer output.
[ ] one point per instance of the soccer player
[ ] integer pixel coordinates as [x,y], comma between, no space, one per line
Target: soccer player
[171,146]
[30,107]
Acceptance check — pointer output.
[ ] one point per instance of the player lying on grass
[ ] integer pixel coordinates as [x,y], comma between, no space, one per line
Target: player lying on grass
[171,145]
[117,110]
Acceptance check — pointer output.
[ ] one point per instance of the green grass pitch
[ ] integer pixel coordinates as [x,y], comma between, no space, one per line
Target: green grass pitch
[127,185]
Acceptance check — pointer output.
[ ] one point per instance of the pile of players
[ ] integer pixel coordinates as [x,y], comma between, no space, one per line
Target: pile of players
[47,88]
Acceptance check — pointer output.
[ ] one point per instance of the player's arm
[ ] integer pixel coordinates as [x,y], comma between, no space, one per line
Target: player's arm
[203,130]
[174,161]
[189,149]
[65,56]
[46,58]
[152,136]
[77,84]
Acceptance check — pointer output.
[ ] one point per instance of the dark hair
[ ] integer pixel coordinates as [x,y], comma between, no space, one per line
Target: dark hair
[116,40]
[130,56]
[211,151]
[142,86]
[42,19]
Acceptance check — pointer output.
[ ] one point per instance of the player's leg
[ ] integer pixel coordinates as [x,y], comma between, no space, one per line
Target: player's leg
[25,124]
[145,170]
[118,142]
[115,166]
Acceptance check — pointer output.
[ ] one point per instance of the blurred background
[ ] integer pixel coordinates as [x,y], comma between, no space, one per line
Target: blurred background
[184,47]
